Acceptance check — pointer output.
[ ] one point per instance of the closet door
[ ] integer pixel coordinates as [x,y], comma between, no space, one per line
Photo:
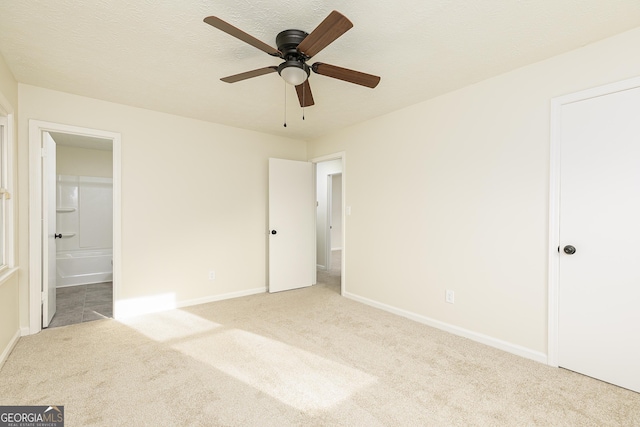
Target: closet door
[599,253]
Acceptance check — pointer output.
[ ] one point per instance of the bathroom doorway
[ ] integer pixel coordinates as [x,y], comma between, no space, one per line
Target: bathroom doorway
[83,229]
[74,224]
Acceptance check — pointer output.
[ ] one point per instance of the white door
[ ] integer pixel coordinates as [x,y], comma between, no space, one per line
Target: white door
[599,284]
[48,230]
[291,225]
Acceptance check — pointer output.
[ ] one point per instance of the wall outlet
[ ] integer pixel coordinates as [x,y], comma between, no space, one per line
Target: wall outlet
[449,296]
[212,275]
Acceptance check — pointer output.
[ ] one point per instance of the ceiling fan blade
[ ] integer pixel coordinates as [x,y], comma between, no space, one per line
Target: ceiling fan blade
[239,34]
[351,76]
[249,74]
[329,30]
[304,94]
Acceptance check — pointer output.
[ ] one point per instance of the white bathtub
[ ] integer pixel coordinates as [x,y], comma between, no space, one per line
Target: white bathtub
[84,267]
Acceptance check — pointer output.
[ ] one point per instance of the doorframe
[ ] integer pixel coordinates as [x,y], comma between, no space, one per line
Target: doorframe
[36,129]
[554,202]
[341,155]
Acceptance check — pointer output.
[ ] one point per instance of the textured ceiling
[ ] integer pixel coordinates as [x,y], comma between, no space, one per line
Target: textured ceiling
[158,54]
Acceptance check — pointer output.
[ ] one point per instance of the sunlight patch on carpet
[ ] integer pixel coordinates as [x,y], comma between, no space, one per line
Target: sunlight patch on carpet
[170,325]
[294,376]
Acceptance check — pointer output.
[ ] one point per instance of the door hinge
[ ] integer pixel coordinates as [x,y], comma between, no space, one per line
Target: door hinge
[44,296]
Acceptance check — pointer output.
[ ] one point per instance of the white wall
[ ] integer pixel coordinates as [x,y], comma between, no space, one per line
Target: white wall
[336,211]
[323,170]
[463,202]
[194,196]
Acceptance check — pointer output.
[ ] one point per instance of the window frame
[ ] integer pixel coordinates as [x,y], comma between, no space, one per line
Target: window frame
[6,190]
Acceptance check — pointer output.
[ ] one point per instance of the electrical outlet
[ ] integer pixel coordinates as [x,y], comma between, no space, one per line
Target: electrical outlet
[449,296]
[212,275]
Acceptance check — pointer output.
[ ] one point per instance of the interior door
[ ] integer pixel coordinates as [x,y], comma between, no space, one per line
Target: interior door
[291,225]
[48,230]
[599,276]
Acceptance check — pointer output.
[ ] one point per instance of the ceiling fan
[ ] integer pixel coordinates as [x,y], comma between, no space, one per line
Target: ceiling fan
[296,47]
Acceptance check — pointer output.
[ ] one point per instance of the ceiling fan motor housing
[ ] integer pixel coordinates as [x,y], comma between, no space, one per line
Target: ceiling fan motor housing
[288,41]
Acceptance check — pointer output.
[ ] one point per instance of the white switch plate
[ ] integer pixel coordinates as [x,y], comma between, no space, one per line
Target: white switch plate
[212,275]
[449,296]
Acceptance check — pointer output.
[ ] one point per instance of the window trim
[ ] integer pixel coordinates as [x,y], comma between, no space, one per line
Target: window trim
[7,123]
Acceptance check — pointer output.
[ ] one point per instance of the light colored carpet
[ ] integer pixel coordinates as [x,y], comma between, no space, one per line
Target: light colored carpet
[303,357]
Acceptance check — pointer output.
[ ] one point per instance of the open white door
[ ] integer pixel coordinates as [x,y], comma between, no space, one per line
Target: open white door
[291,225]
[599,268]
[48,230]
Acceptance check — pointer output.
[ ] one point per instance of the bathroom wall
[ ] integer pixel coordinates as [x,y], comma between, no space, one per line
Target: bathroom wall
[83,161]
[84,198]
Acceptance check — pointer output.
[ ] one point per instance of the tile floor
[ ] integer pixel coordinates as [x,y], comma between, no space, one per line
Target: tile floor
[83,303]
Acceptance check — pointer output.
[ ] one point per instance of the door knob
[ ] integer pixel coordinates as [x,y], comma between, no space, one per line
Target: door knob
[569,250]
[274,232]
[57,236]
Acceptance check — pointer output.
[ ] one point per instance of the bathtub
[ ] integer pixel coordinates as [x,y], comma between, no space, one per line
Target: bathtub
[82,267]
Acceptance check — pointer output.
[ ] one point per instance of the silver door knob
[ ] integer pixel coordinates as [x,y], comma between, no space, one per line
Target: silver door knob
[569,250]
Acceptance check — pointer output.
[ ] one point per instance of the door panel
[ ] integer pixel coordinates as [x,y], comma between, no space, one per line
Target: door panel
[49,230]
[599,285]
[291,217]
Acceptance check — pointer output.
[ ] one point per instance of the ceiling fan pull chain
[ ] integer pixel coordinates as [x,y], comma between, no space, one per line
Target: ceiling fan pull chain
[285,105]
[303,102]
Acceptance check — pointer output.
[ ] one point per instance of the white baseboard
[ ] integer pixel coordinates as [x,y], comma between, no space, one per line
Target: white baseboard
[9,348]
[221,297]
[481,338]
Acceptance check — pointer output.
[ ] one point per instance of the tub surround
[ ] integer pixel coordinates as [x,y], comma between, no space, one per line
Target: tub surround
[82,267]
[85,223]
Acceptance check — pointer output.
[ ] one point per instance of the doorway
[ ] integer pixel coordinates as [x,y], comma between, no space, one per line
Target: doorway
[83,242]
[74,173]
[594,274]
[329,222]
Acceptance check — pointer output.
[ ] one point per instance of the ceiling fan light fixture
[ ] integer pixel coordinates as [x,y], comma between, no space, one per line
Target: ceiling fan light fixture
[294,72]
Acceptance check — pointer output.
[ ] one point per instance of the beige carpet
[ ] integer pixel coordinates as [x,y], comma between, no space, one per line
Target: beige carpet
[304,357]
